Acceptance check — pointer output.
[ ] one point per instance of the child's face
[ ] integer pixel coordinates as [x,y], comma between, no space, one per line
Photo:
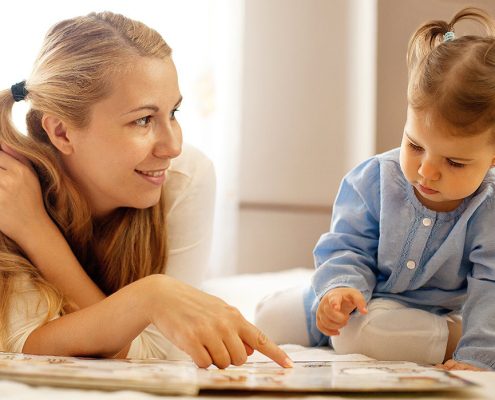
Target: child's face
[120,158]
[443,169]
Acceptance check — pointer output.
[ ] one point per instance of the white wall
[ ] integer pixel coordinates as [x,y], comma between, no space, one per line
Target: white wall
[306,92]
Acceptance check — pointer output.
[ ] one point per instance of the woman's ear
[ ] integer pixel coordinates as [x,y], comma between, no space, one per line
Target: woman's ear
[57,130]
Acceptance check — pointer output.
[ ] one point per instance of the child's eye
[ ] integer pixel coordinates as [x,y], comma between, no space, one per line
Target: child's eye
[455,164]
[415,147]
[143,121]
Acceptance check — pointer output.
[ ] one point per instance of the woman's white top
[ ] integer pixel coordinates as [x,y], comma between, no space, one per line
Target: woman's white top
[190,197]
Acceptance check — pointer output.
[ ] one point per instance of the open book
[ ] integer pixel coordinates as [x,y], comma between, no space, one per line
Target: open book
[183,378]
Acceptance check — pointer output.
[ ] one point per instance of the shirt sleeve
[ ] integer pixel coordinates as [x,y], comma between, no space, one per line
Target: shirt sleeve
[346,256]
[477,344]
[190,198]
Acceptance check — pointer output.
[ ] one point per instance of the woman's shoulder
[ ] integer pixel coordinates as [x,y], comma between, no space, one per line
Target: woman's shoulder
[190,167]
[190,163]
[191,174]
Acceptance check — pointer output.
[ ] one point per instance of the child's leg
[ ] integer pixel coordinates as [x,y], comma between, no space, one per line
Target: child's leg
[454,323]
[392,331]
[282,318]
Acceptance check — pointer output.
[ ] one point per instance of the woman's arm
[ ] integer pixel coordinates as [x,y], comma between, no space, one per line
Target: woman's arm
[102,329]
[48,250]
[203,326]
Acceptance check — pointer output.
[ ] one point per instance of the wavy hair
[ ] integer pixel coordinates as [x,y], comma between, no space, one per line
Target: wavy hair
[454,79]
[72,72]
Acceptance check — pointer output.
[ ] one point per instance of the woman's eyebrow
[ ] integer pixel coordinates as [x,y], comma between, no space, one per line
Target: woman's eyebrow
[144,107]
[151,107]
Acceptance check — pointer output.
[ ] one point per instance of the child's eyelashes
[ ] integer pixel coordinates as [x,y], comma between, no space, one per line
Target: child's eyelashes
[415,147]
[451,163]
[455,164]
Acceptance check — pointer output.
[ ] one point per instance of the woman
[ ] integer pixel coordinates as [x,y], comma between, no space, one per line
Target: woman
[84,199]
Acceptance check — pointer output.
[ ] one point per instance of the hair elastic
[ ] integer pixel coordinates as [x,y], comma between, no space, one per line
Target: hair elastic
[19,91]
[448,36]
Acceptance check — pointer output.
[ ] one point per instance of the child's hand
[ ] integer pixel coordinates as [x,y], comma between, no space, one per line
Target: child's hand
[336,306]
[452,365]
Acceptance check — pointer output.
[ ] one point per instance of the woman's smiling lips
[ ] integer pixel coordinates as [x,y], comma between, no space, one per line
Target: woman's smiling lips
[156,177]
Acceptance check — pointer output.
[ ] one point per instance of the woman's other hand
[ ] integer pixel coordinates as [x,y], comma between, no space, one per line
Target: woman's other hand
[21,201]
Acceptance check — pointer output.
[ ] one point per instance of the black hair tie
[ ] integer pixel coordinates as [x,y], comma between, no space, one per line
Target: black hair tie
[19,91]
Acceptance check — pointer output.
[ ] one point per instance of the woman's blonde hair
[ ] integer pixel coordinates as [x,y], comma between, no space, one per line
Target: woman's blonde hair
[74,69]
[454,79]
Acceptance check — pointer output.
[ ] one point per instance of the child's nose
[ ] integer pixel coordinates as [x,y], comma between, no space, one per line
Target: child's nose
[429,171]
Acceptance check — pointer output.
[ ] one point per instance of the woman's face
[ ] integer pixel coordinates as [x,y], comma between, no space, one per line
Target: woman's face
[120,158]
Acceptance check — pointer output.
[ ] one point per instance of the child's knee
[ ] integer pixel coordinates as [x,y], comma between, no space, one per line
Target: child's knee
[391,331]
[281,316]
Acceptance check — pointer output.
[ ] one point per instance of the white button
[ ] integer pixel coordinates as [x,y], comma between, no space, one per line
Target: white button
[411,264]
[426,221]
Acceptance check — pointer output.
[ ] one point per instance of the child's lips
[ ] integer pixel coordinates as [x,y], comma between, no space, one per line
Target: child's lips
[426,189]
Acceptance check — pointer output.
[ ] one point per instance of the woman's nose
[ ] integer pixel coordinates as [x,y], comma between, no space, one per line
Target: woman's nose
[169,142]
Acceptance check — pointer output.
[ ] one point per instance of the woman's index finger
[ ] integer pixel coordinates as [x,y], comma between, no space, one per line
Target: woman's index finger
[257,340]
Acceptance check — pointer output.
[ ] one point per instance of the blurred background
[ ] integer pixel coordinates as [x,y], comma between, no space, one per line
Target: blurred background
[285,96]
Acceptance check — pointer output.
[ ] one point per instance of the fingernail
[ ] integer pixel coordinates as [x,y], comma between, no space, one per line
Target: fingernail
[288,363]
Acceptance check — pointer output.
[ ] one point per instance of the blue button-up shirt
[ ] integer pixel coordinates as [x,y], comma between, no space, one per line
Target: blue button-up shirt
[385,243]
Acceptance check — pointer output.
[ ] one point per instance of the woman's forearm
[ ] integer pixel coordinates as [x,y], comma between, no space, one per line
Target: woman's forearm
[103,329]
[48,250]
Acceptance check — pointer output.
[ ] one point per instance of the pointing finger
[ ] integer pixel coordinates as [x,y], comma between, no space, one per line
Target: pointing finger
[257,340]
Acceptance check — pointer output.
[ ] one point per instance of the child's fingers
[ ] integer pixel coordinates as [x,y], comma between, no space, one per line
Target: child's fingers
[335,301]
[330,322]
[328,330]
[358,301]
[361,304]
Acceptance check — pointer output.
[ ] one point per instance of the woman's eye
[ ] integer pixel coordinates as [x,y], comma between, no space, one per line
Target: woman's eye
[172,114]
[415,147]
[143,121]
[455,164]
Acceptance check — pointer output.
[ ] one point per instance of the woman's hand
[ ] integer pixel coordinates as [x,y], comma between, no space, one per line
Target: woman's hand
[21,202]
[335,308]
[205,327]
[453,365]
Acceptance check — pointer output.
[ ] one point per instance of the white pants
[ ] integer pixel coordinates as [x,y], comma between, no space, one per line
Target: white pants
[390,330]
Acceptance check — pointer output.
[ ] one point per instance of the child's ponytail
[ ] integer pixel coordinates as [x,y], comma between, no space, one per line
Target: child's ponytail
[431,34]
[453,76]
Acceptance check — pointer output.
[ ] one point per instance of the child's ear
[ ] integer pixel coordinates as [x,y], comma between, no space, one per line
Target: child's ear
[57,130]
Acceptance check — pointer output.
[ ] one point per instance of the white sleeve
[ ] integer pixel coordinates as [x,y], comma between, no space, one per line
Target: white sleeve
[28,310]
[190,198]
